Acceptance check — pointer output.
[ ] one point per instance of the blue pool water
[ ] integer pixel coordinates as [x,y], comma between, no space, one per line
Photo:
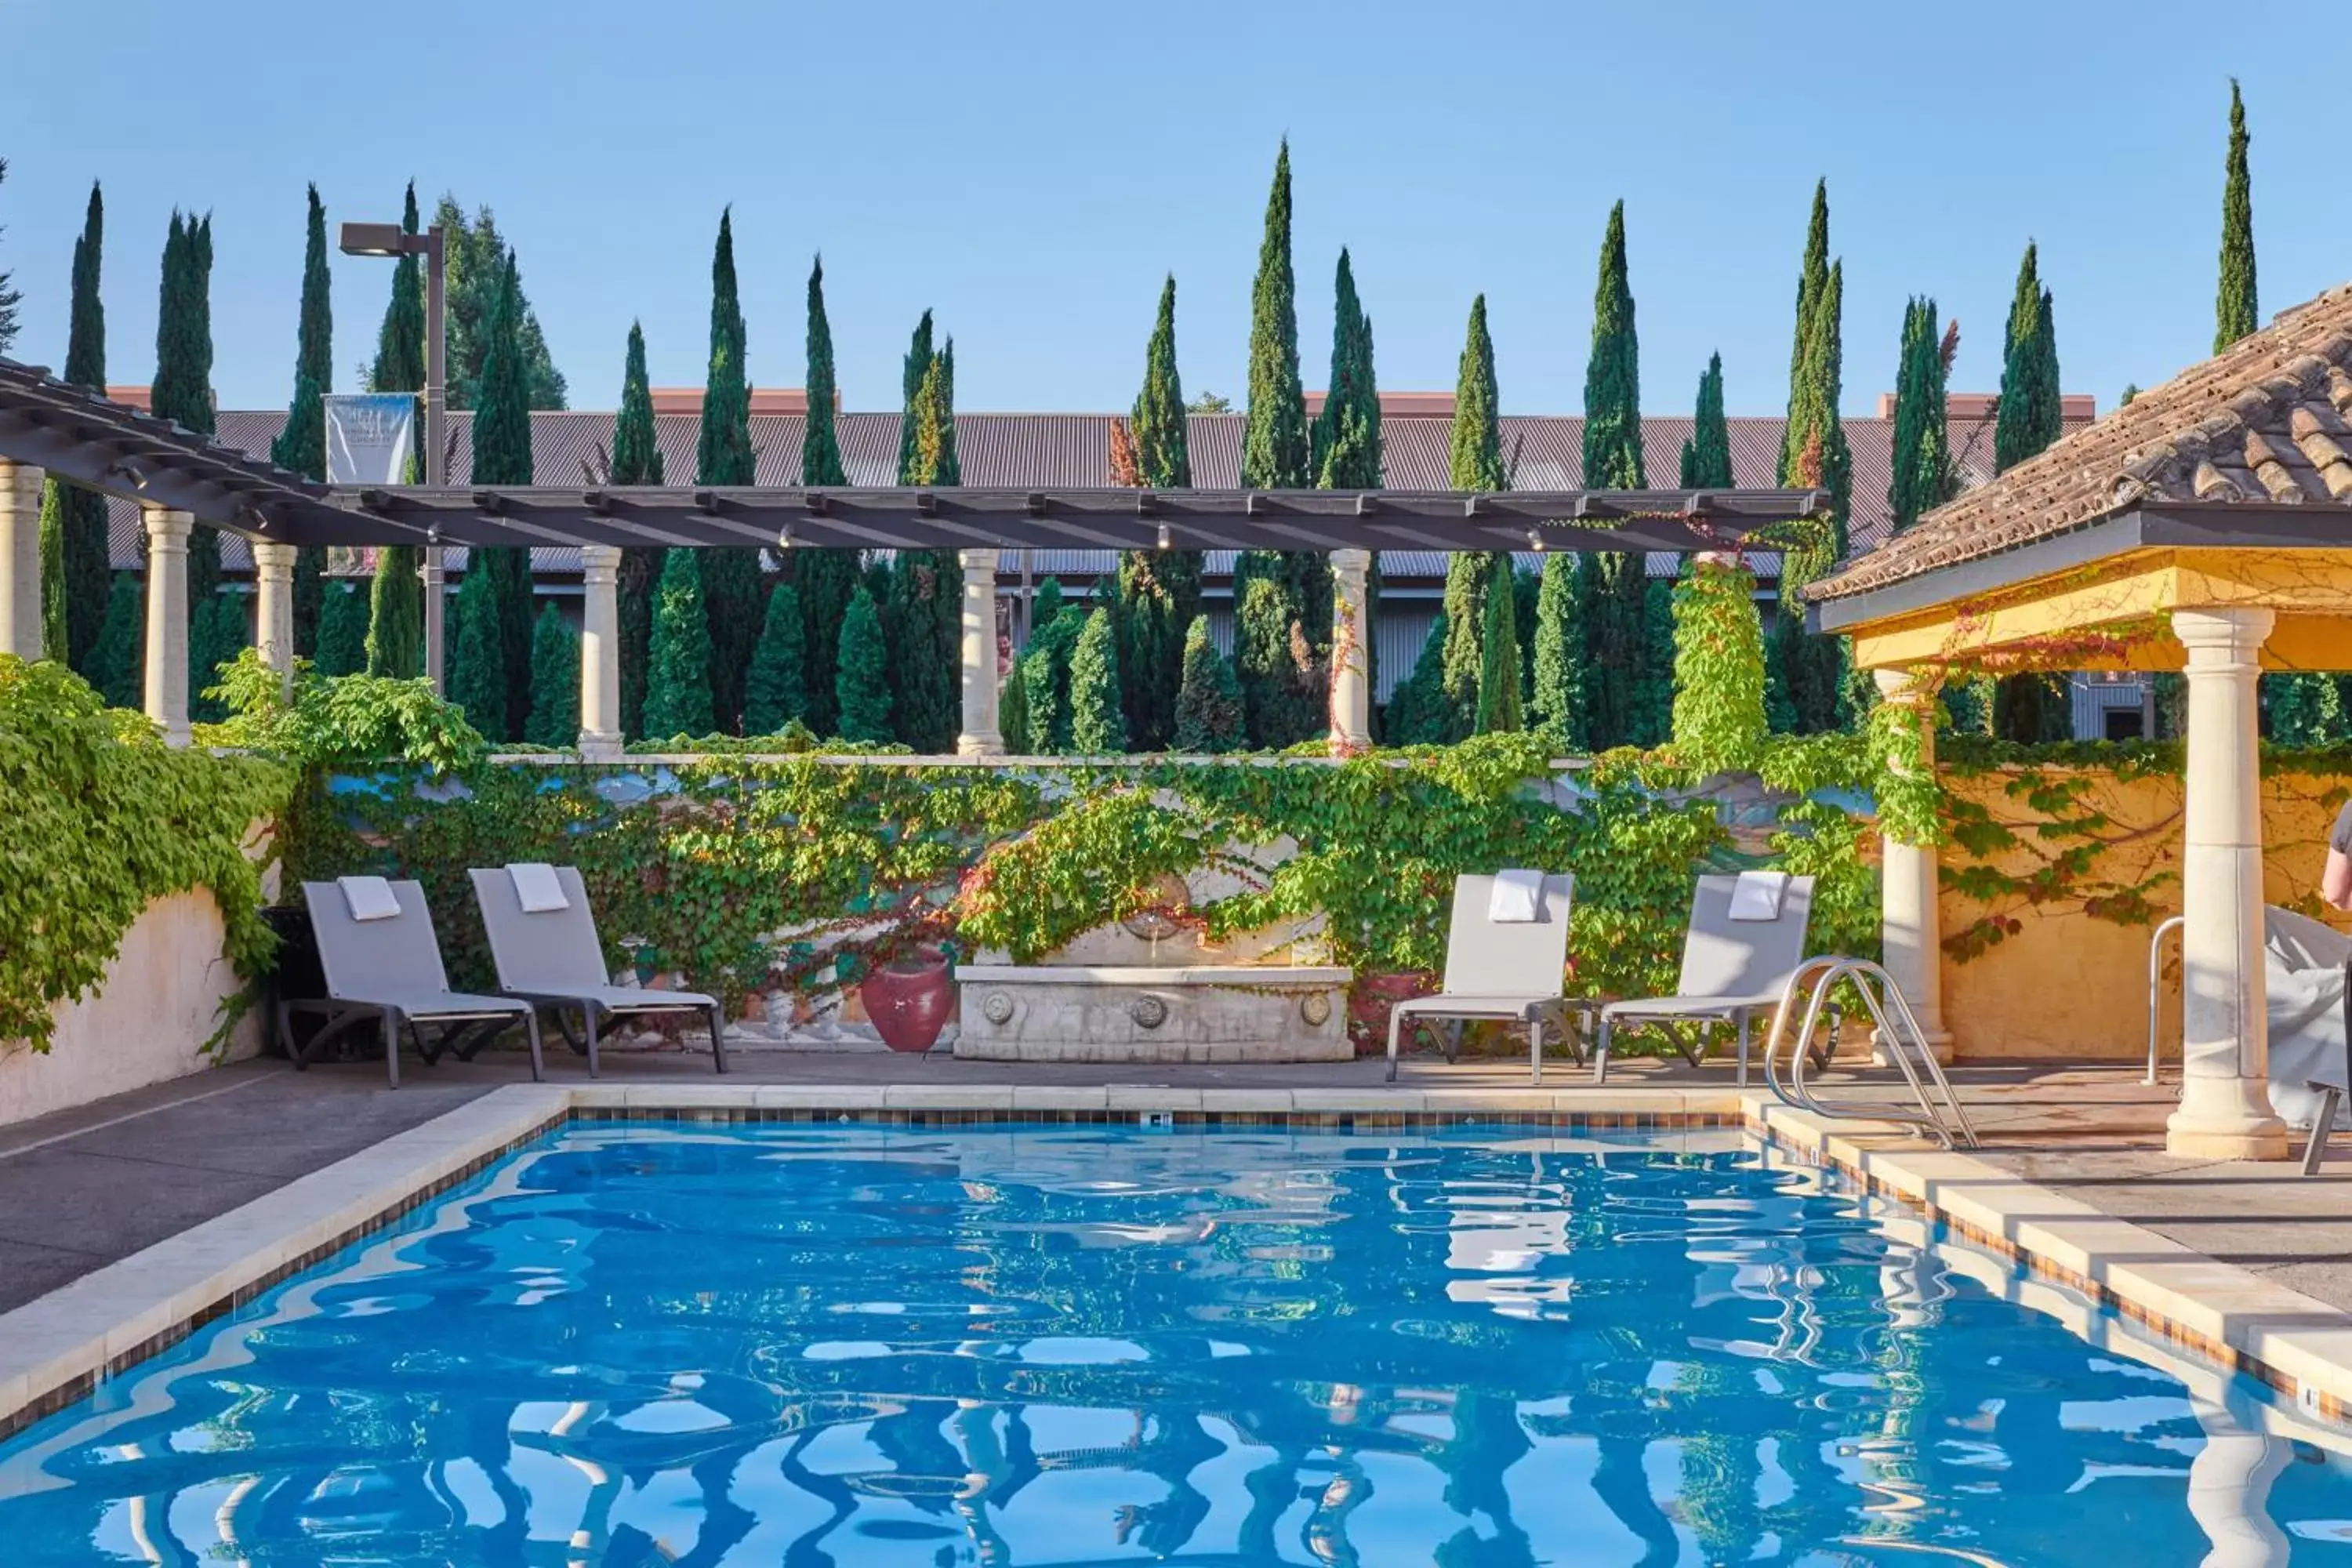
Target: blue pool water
[633,1345]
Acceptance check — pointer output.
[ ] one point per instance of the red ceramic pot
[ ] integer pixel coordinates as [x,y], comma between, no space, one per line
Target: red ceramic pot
[910,1000]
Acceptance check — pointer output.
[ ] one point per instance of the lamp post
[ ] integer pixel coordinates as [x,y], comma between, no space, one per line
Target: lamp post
[391,239]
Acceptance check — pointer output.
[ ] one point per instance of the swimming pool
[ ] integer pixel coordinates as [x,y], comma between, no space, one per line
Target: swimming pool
[636,1343]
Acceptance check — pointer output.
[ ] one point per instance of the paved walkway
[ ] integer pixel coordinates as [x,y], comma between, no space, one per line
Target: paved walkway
[84,1188]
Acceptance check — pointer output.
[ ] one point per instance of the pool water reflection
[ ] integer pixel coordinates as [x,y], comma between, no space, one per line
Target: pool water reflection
[637,1344]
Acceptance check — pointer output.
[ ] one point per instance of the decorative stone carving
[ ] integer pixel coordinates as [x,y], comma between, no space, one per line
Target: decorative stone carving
[997,1008]
[1315,1007]
[1147,1011]
[1154,1013]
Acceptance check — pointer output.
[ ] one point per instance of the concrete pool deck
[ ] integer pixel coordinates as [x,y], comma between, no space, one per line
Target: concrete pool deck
[126,1223]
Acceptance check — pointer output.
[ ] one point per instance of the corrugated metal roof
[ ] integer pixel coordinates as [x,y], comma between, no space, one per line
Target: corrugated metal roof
[1073,449]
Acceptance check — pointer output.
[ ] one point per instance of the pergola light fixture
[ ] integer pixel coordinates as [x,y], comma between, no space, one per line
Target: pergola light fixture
[382,240]
[125,468]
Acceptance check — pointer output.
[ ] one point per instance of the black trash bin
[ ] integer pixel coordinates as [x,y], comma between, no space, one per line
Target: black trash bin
[297,972]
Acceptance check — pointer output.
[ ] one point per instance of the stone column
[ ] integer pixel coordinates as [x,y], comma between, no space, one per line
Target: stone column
[1910,925]
[2225,1105]
[20,559]
[436,607]
[1351,667]
[167,622]
[980,737]
[599,653]
[273,577]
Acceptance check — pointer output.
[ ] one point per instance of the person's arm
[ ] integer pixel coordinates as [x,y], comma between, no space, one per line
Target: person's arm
[2335,880]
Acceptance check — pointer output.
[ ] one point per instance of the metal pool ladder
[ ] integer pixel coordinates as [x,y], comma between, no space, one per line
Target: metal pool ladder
[1938,1115]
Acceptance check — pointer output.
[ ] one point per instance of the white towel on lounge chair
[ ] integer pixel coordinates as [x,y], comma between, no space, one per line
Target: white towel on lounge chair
[369,897]
[536,888]
[1756,895]
[1517,899]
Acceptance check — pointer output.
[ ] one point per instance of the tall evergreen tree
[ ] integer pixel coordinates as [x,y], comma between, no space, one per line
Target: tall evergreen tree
[1277,454]
[730,577]
[1806,672]
[1013,716]
[1348,454]
[1159,590]
[115,662]
[395,634]
[2030,705]
[1499,670]
[342,631]
[76,557]
[182,386]
[2235,312]
[1097,728]
[555,718]
[1418,712]
[1474,462]
[217,635]
[678,678]
[825,578]
[775,691]
[1556,701]
[476,676]
[1616,608]
[502,456]
[477,258]
[1813,278]
[399,366]
[636,460]
[924,622]
[1924,476]
[1209,703]
[861,673]
[1707,455]
[301,446]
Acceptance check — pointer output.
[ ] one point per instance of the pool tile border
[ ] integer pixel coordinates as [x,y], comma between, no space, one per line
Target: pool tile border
[51,1355]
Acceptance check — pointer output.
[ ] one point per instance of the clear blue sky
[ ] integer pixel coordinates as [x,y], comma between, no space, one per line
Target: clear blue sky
[1030,170]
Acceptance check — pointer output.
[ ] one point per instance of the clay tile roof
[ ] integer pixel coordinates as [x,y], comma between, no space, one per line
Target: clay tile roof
[2262,421]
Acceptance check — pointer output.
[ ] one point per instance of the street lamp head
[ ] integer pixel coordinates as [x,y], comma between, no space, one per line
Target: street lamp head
[377,239]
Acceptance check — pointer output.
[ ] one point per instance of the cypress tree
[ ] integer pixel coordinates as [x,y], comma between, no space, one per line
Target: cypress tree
[1807,673]
[215,636]
[342,631]
[1418,712]
[861,677]
[921,350]
[476,259]
[1048,606]
[1346,435]
[730,577]
[924,622]
[1474,462]
[1159,590]
[1277,454]
[775,691]
[1500,671]
[555,718]
[1209,703]
[2235,313]
[1097,727]
[678,678]
[1013,715]
[115,660]
[1707,455]
[1812,278]
[476,677]
[1655,703]
[182,386]
[502,456]
[1557,701]
[1924,477]
[825,578]
[395,634]
[1045,675]
[301,446]
[636,460]
[399,366]
[1616,612]
[77,566]
[2030,705]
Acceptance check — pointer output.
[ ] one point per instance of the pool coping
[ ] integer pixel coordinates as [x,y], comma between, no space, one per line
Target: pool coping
[56,1349]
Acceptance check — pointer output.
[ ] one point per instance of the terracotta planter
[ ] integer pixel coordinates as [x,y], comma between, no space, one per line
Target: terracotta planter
[910,1000]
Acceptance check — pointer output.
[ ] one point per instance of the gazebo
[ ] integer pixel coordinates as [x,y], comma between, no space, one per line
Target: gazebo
[2204,527]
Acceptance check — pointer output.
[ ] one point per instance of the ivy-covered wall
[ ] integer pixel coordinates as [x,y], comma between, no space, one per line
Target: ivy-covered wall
[750,876]
[2058,866]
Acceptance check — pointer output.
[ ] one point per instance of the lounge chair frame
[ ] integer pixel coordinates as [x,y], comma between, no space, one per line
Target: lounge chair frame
[1487,965]
[1732,971]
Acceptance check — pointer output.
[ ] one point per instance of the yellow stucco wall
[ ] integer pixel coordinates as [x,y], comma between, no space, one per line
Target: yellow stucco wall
[2067,984]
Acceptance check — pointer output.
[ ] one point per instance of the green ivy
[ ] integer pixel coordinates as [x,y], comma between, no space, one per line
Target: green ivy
[98,819]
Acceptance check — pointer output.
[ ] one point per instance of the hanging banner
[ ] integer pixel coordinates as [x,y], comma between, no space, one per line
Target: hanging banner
[371,437]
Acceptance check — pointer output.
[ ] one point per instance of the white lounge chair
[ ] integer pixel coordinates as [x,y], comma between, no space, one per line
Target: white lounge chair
[387,968]
[1732,970]
[1500,969]
[551,958]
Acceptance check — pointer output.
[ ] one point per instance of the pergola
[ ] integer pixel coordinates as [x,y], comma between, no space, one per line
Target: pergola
[181,479]
[2206,526]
